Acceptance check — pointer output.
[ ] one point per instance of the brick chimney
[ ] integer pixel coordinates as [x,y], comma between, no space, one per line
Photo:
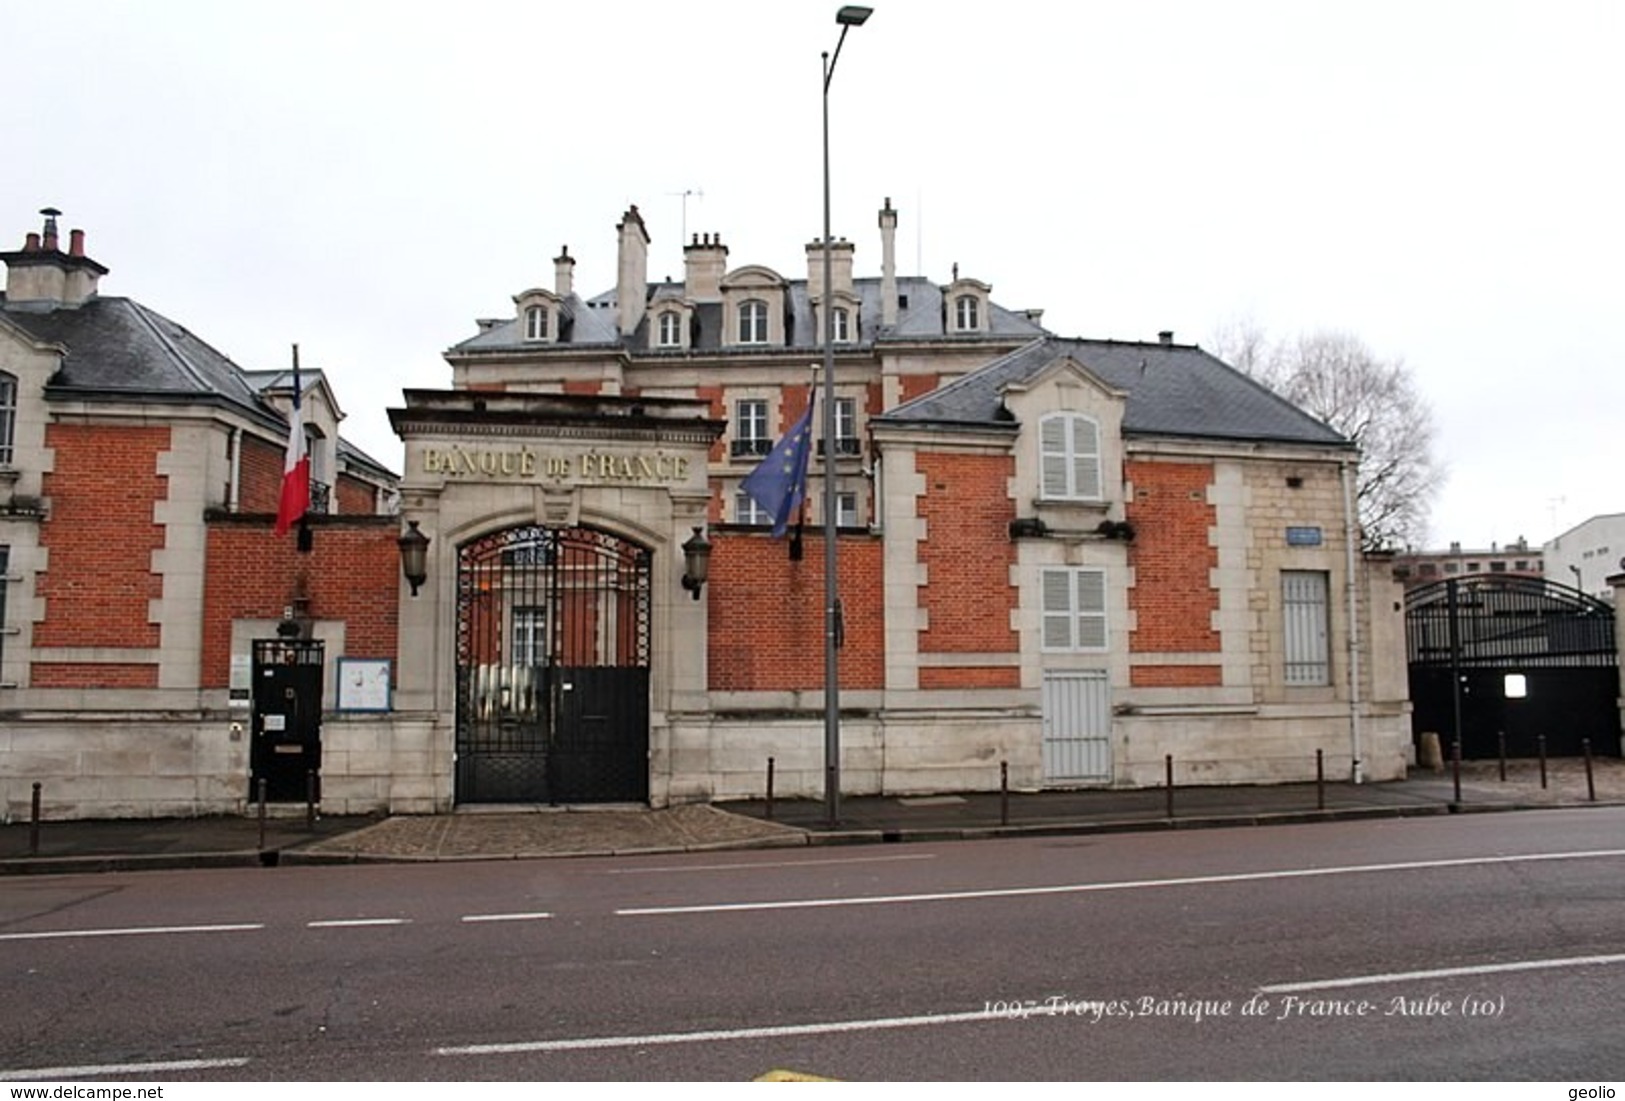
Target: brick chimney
[564,267]
[840,268]
[40,276]
[705,262]
[632,280]
[888,265]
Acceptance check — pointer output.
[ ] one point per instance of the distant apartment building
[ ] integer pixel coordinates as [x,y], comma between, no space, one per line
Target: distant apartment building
[1423,567]
[1588,554]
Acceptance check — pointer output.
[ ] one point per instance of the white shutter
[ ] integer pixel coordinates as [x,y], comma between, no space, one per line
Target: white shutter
[1057,610]
[1052,435]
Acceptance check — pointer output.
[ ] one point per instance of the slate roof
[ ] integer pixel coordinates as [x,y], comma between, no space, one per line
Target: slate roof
[1173,390]
[120,350]
[596,319]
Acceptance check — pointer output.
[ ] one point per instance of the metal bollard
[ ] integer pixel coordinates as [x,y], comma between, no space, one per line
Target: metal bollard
[1591,781]
[1540,745]
[262,814]
[770,789]
[1004,793]
[1168,777]
[310,800]
[1320,779]
[1455,765]
[1501,749]
[33,823]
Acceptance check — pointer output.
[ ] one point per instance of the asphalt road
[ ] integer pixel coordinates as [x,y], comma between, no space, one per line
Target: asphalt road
[1472,947]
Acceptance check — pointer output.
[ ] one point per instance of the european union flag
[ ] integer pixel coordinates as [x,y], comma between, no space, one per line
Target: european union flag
[780,482]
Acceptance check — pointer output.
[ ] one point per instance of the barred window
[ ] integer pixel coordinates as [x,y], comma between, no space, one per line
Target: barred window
[1304,600]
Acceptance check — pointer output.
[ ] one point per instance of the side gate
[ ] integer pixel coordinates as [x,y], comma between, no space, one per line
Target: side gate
[286,746]
[1474,643]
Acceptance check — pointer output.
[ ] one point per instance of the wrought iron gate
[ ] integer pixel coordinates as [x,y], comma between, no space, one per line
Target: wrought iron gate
[552,668]
[1465,636]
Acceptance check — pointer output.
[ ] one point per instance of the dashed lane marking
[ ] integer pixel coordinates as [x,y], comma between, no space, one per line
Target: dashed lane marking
[537,916]
[355,923]
[101,1070]
[144,930]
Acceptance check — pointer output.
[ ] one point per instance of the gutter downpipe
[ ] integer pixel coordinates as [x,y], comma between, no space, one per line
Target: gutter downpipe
[1349,532]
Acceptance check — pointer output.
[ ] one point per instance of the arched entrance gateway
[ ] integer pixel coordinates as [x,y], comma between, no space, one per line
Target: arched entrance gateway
[553,645]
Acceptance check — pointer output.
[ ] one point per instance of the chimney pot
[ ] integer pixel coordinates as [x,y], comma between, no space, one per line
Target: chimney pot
[1166,338]
[76,242]
[31,243]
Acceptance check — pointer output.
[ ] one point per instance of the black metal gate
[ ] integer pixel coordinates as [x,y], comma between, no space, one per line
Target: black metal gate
[552,668]
[1475,643]
[285,749]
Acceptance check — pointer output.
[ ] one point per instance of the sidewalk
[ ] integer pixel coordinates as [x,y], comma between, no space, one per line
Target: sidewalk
[520,833]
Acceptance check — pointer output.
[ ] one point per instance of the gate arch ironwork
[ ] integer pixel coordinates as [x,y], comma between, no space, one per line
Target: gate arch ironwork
[553,641]
[1464,636]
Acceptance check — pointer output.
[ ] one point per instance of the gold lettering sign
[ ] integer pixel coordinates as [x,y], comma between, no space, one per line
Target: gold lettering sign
[524,463]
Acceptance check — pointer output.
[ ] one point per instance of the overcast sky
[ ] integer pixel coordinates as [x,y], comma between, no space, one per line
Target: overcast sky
[1444,180]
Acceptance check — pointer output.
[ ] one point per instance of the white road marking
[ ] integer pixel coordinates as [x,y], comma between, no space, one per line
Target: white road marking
[745,867]
[146,930]
[1125,885]
[1440,973]
[120,1069]
[355,923]
[537,916]
[716,1035]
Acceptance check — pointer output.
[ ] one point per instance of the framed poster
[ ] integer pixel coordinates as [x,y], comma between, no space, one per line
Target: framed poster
[363,684]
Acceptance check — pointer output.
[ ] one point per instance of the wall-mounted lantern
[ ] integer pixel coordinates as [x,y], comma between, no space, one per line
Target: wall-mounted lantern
[414,556]
[696,562]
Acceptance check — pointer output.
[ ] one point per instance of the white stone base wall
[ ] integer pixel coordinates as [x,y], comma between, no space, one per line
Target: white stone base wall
[1267,747]
[167,766]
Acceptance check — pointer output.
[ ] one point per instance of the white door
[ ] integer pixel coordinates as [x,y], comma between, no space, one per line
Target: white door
[1077,726]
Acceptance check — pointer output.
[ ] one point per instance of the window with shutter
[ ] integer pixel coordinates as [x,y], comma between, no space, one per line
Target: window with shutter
[1074,613]
[1069,457]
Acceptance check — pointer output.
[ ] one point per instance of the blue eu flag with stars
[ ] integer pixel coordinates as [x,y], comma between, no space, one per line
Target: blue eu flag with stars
[780,482]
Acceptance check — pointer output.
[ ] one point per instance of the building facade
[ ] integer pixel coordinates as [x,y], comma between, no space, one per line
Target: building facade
[1423,567]
[1074,558]
[139,469]
[1589,554]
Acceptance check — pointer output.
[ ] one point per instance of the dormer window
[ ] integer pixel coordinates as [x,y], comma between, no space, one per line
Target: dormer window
[1069,457]
[753,321]
[843,331]
[966,315]
[670,330]
[8,417]
[536,323]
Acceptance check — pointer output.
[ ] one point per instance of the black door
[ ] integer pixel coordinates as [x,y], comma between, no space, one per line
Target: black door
[286,751]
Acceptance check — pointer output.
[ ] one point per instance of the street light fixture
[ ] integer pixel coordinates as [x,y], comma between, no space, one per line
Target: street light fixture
[849,16]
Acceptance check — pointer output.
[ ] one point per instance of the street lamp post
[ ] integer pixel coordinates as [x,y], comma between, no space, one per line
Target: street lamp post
[848,17]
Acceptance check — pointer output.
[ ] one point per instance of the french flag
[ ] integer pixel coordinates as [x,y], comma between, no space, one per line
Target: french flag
[295,501]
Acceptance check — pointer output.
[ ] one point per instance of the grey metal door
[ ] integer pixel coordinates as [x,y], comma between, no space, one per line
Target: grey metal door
[552,668]
[1077,726]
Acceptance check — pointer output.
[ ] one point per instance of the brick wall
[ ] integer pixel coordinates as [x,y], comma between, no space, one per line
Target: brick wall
[967,553]
[355,497]
[1176,676]
[259,475]
[65,674]
[1173,595]
[587,386]
[767,614]
[100,537]
[977,676]
[912,386]
[351,574]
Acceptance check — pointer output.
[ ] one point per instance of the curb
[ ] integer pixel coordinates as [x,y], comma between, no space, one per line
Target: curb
[301,857]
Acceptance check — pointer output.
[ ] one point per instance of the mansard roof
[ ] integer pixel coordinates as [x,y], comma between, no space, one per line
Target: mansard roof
[1173,390]
[118,350]
[922,318]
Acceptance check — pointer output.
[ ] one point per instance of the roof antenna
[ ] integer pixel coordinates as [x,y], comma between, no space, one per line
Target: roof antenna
[684,194]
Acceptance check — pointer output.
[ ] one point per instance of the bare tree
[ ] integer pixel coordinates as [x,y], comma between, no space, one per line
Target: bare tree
[1373,401]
